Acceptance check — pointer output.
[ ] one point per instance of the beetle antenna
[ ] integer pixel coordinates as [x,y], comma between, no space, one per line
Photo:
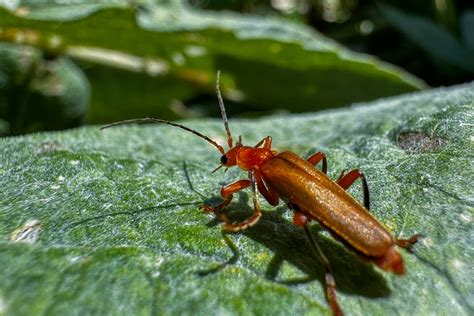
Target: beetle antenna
[223,114]
[156,120]
[220,166]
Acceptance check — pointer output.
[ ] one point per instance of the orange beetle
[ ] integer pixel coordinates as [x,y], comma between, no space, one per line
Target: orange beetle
[309,192]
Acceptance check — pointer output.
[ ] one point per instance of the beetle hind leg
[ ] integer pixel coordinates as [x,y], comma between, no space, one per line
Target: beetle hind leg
[300,219]
[316,158]
[347,179]
[408,243]
[328,277]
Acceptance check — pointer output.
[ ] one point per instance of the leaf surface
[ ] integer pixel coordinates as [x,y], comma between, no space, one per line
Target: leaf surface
[107,221]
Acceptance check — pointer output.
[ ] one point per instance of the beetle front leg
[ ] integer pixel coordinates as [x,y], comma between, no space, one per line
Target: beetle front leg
[316,158]
[227,193]
[253,219]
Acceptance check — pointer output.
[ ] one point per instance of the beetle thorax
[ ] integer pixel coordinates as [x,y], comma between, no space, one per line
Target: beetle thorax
[249,158]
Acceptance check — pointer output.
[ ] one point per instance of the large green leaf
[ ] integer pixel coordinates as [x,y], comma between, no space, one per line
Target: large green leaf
[171,52]
[95,222]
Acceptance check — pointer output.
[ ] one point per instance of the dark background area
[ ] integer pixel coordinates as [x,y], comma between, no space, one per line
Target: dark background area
[61,67]
[368,27]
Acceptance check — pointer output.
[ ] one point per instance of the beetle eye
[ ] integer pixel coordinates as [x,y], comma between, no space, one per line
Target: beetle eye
[224,159]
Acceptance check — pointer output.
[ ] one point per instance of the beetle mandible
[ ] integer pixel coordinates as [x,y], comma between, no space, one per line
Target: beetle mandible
[309,192]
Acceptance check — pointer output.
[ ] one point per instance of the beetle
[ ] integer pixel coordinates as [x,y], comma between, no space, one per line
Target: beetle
[309,192]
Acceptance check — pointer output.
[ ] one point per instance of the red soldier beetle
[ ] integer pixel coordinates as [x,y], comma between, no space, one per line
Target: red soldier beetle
[309,192]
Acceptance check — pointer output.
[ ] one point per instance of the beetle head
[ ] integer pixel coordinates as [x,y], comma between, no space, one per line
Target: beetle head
[229,159]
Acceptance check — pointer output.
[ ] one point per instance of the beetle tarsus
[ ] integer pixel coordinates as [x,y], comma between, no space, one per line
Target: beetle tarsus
[214,209]
[408,243]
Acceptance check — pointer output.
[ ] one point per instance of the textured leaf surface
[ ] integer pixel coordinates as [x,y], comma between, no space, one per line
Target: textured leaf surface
[108,222]
[161,51]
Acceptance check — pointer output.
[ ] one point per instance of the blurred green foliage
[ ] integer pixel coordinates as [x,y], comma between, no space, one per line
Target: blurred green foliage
[433,39]
[39,94]
[159,58]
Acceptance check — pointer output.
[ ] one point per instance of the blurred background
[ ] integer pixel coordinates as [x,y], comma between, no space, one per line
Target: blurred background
[93,62]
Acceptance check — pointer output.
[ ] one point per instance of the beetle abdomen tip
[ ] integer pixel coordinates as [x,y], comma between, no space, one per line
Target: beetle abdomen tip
[391,261]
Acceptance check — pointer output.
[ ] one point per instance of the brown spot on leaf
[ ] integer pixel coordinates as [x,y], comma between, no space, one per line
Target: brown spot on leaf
[418,142]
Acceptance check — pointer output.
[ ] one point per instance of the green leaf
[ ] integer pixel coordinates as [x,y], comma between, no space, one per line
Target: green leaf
[163,51]
[95,222]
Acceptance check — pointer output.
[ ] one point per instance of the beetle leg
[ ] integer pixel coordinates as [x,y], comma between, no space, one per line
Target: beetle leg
[347,179]
[227,194]
[329,279]
[266,142]
[407,243]
[300,219]
[316,158]
[341,175]
[253,219]
[270,195]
